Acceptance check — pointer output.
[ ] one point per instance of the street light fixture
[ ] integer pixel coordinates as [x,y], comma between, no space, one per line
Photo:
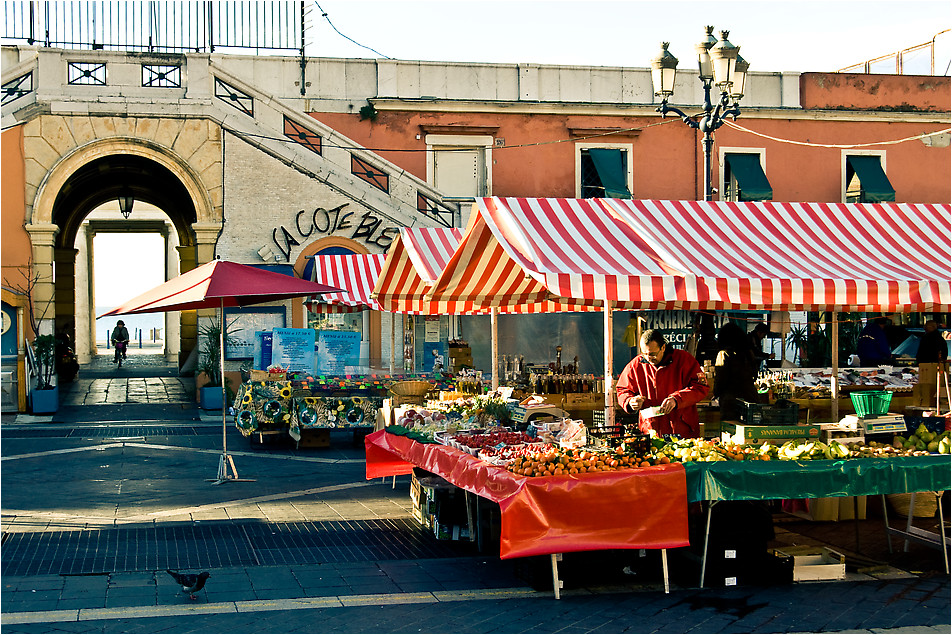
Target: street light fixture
[126,200]
[719,66]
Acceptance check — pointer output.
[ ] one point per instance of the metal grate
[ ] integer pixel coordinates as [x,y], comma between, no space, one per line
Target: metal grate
[161,76]
[216,545]
[16,88]
[99,432]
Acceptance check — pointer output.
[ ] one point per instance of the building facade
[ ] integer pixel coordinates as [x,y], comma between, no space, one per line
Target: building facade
[241,163]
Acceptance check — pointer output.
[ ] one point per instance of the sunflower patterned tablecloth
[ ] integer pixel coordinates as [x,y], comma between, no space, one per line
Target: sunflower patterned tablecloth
[276,406]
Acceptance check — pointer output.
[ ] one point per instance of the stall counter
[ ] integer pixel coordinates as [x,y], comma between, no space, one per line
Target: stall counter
[626,509]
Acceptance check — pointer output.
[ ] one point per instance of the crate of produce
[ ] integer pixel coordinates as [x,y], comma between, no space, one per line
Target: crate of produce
[782,413]
[871,403]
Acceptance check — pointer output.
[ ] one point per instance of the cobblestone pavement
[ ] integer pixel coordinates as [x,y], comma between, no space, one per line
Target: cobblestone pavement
[96,506]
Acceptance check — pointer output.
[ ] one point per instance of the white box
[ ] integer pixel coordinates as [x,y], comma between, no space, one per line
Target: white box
[815,563]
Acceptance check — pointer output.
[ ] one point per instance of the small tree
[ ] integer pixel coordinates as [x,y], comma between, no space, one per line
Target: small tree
[44,348]
[209,359]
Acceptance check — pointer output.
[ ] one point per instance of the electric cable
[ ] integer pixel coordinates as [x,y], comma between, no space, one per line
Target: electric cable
[833,145]
[326,17]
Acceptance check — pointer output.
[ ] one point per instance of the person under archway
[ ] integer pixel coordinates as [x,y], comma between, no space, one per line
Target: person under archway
[120,341]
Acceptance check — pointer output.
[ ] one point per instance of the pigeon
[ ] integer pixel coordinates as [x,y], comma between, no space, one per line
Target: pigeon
[190,582]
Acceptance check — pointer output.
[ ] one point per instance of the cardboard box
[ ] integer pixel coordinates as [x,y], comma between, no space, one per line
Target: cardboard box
[315,438]
[815,563]
[444,531]
[832,508]
[736,432]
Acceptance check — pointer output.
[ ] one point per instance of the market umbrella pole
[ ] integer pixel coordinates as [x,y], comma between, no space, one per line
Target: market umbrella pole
[227,472]
[494,334]
[609,365]
[835,380]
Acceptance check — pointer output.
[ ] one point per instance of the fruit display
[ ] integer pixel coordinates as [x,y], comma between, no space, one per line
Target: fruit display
[556,462]
[923,440]
[491,438]
[505,455]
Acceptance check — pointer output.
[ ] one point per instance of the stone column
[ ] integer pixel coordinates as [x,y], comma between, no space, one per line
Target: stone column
[65,288]
[188,322]
[43,236]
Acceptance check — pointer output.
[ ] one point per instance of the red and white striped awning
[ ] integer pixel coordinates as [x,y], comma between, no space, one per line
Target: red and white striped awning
[419,256]
[357,273]
[702,255]
[415,259]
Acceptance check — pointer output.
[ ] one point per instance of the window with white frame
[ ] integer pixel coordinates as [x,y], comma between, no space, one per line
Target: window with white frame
[604,173]
[459,166]
[743,174]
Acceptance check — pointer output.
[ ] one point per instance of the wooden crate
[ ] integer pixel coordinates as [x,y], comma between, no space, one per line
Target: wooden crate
[315,438]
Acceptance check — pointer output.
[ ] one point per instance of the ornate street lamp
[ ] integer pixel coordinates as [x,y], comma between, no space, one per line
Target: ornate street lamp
[720,66]
[126,200]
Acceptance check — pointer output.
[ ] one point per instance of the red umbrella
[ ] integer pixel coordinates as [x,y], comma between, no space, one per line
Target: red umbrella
[216,285]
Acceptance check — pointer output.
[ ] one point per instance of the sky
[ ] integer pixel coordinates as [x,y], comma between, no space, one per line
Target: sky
[806,35]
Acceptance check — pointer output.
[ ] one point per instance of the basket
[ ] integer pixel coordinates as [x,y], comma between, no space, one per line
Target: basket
[263,375]
[924,507]
[410,388]
[871,403]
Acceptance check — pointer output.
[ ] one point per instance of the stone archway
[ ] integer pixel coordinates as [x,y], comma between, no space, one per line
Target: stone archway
[87,174]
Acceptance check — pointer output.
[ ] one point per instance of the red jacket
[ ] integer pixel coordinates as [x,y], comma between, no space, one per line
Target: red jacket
[678,375]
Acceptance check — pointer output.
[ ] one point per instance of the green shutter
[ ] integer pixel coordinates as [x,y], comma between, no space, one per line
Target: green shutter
[752,183]
[875,187]
[611,170]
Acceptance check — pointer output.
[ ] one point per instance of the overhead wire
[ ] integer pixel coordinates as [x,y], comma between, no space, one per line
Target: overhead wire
[833,145]
[327,17]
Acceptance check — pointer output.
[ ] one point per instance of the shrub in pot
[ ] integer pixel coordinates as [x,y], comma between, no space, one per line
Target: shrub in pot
[45,396]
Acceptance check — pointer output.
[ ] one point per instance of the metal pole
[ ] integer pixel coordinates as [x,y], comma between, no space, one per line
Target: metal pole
[494,329]
[221,355]
[708,165]
[834,379]
[609,366]
[303,59]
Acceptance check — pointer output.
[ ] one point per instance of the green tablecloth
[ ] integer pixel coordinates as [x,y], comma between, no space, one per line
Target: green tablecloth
[765,480]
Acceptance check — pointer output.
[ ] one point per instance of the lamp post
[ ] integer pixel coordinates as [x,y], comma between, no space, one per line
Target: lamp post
[720,66]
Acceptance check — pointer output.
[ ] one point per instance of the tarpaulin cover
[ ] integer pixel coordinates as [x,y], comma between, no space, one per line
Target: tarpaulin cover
[628,509]
[765,480]
[697,255]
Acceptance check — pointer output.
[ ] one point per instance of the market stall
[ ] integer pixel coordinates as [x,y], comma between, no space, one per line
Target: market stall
[545,512]
[607,254]
[307,407]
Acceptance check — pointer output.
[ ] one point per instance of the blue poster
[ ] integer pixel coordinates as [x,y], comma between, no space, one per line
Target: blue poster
[338,352]
[293,349]
[262,349]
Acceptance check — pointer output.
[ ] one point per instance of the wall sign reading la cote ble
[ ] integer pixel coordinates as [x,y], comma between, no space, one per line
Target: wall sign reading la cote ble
[331,221]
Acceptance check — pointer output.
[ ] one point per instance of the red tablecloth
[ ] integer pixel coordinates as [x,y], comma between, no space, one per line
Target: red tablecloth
[643,508]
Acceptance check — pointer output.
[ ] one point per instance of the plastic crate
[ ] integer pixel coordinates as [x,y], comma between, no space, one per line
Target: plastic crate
[759,414]
[625,425]
[871,403]
[935,425]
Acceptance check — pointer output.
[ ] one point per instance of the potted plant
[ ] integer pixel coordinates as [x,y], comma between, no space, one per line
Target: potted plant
[209,364]
[45,396]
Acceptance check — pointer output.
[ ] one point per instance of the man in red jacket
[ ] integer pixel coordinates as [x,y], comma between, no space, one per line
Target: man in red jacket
[664,381]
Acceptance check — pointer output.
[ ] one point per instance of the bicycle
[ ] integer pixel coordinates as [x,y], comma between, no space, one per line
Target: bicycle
[120,352]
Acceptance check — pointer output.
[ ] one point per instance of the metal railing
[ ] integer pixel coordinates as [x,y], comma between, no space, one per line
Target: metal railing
[899,62]
[155,26]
